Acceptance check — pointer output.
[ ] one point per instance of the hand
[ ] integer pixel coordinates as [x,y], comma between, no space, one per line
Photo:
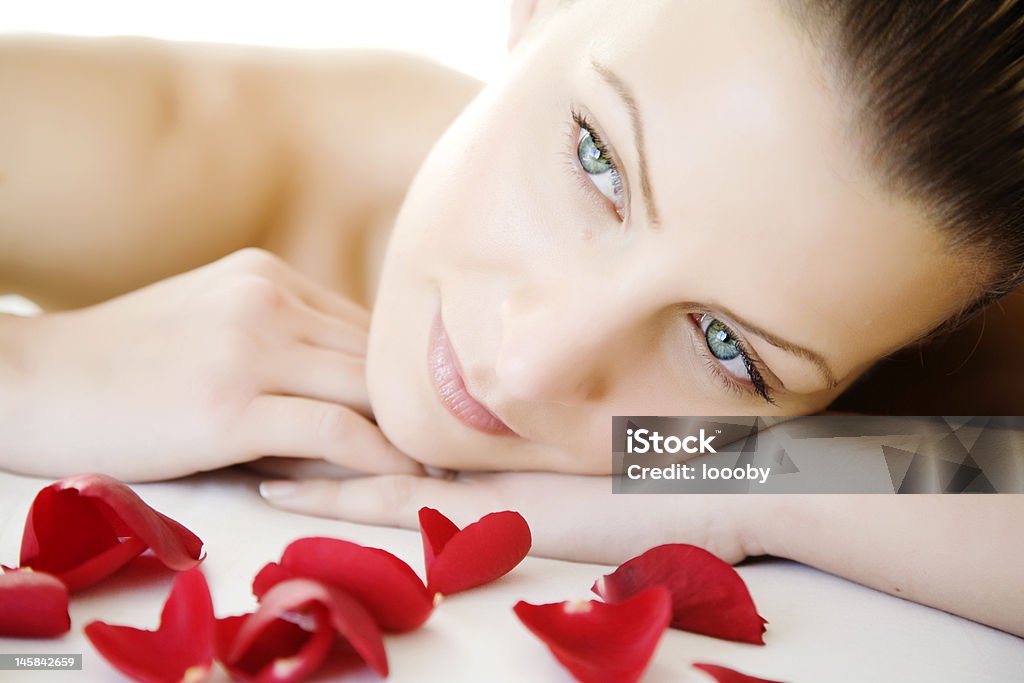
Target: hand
[572,517]
[235,360]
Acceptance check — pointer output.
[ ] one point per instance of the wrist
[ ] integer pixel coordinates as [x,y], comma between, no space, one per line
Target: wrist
[764,523]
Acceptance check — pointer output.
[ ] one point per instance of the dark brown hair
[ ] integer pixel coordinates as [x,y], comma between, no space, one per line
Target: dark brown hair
[938,86]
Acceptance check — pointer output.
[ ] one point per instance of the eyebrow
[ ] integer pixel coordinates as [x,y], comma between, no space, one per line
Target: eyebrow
[795,349]
[625,94]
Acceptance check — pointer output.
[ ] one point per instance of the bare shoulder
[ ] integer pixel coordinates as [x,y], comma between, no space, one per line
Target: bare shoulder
[373,112]
[122,161]
[170,155]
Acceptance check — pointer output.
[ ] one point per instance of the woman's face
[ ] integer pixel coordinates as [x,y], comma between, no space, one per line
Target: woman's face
[660,209]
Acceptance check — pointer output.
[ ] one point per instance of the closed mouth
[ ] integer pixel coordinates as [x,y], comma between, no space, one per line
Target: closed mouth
[447,380]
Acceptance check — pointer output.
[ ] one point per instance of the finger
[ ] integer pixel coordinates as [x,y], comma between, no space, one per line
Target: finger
[321,374]
[298,468]
[387,500]
[263,263]
[320,297]
[300,427]
[577,532]
[330,332]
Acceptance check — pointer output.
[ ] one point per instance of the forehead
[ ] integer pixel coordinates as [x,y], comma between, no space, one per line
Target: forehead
[754,165]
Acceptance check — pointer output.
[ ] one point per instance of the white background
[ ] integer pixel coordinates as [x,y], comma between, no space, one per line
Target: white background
[467,34]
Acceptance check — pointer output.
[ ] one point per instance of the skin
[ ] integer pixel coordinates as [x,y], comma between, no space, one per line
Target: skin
[561,315]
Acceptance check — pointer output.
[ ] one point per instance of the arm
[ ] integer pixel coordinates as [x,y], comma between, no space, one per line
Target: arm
[959,553]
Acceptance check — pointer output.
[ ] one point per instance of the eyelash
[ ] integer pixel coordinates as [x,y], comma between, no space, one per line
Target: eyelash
[754,367]
[581,121]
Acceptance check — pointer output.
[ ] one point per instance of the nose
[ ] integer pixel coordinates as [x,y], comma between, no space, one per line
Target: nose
[561,345]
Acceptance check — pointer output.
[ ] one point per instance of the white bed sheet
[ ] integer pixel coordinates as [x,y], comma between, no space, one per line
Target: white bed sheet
[821,628]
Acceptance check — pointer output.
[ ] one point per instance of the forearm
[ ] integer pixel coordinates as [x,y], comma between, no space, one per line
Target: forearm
[959,553]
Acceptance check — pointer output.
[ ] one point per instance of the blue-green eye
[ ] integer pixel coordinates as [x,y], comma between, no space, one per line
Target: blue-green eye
[592,158]
[728,353]
[720,341]
[597,162]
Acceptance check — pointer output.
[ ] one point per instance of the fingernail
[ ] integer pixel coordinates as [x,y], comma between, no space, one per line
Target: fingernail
[439,472]
[277,489]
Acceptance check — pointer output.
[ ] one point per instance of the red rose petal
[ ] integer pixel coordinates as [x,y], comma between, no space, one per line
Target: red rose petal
[281,652]
[84,528]
[708,595]
[435,530]
[32,604]
[383,583]
[293,630]
[225,631]
[726,675]
[270,575]
[602,642]
[181,649]
[482,552]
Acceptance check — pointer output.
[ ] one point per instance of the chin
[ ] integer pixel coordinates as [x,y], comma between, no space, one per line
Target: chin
[412,429]
[396,381]
[393,403]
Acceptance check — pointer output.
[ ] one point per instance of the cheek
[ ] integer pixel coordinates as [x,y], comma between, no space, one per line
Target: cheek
[488,212]
[494,194]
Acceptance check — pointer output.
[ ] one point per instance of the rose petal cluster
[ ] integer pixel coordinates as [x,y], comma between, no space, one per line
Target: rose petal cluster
[328,600]
[79,531]
[324,600]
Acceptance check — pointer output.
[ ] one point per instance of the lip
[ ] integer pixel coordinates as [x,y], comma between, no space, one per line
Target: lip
[446,377]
